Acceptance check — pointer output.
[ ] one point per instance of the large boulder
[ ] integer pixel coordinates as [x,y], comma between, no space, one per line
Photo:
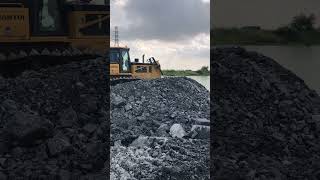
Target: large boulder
[177,130]
[200,132]
[117,100]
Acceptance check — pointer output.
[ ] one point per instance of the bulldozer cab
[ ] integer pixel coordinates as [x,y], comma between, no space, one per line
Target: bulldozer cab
[119,55]
[49,17]
[122,67]
[59,17]
[43,33]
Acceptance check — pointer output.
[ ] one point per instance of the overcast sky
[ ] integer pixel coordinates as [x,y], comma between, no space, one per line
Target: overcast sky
[176,32]
[265,13]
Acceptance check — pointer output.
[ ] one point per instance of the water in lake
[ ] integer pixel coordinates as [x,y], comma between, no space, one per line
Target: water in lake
[302,60]
[204,80]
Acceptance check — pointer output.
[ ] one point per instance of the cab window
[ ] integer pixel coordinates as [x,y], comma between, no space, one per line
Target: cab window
[114,56]
[125,60]
[49,16]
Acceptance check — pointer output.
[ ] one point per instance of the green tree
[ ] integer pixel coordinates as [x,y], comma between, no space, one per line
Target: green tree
[302,23]
[204,70]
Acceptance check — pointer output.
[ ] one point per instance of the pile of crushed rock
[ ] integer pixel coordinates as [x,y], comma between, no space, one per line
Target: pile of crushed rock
[160,130]
[265,120]
[54,123]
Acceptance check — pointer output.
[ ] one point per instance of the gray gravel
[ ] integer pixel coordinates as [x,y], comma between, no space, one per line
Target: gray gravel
[265,120]
[153,133]
[54,124]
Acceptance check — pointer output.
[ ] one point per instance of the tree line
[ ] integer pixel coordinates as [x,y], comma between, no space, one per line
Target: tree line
[203,71]
[301,30]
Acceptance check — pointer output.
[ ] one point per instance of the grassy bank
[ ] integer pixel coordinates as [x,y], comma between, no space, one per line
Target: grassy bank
[263,37]
[204,71]
[243,37]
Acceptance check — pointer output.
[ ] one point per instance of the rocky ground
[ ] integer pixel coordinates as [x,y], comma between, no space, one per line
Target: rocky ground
[160,130]
[265,120]
[54,123]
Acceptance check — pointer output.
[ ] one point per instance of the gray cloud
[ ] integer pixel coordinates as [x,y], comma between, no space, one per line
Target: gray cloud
[169,30]
[168,20]
[265,13]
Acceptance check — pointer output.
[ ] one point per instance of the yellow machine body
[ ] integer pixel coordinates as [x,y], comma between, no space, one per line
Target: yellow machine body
[82,41]
[82,26]
[14,24]
[145,71]
[122,67]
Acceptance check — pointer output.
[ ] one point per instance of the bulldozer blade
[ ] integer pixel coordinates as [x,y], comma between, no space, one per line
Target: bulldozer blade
[45,52]
[76,52]
[66,53]
[56,53]
[34,53]
[22,54]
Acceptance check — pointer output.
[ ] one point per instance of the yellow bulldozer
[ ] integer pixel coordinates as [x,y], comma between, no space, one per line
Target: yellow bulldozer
[41,33]
[52,31]
[123,69]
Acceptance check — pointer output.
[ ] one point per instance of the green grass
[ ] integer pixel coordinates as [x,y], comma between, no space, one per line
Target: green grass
[183,73]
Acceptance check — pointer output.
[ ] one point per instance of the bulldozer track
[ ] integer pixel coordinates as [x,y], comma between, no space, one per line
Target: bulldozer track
[119,80]
[14,62]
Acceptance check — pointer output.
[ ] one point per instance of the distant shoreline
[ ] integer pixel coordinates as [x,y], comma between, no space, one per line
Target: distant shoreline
[262,38]
[184,73]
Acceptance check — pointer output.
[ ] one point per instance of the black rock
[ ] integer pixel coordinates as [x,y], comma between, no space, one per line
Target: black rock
[9,105]
[3,147]
[117,100]
[68,117]
[42,112]
[2,162]
[42,152]
[64,174]
[128,140]
[89,104]
[27,127]
[262,125]
[90,128]
[17,152]
[3,176]
[57,145]
[200,132]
